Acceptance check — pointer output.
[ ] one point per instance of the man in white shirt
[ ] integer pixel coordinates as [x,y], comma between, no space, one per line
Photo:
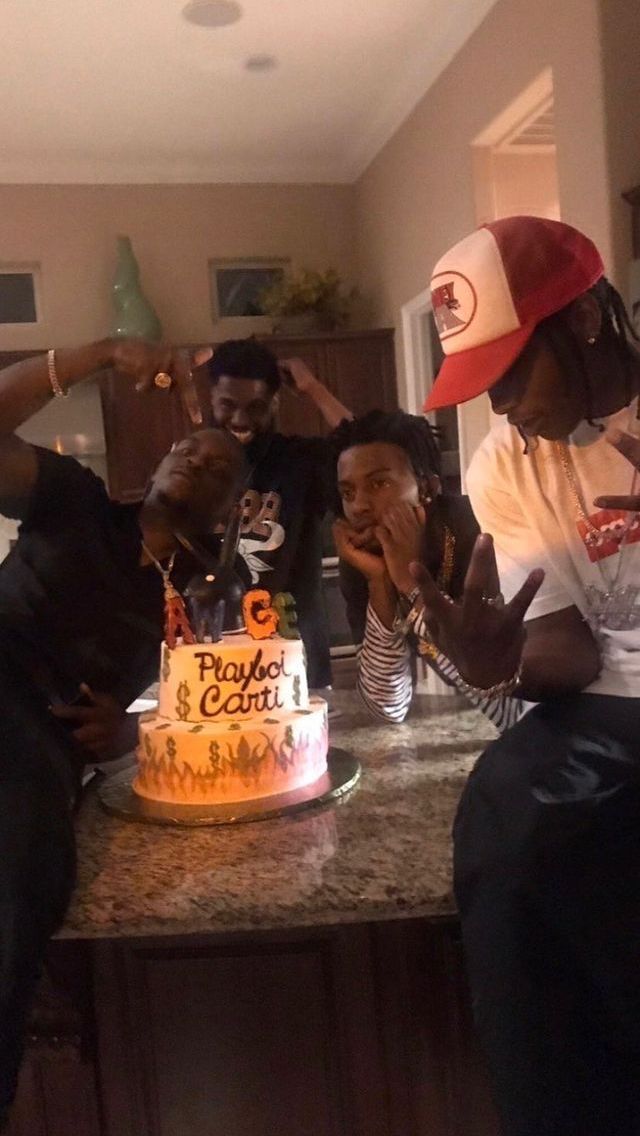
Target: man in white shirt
[548,832]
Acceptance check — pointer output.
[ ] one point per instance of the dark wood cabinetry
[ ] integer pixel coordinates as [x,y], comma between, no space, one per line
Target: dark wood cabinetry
[358,367]
[633,198]
[335,1031]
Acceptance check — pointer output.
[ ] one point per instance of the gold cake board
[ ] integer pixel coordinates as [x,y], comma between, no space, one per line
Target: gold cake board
[118,798]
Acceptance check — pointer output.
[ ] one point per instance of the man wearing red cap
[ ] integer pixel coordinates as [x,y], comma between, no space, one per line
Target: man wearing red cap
[548,832]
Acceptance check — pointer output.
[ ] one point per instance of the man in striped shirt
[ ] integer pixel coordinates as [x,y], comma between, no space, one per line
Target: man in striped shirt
[393,512]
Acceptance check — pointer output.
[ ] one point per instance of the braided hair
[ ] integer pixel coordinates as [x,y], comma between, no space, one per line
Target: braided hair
[412,434]
[617,335]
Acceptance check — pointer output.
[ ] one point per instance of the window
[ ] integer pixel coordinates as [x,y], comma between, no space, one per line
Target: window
[19,294]
[237,285]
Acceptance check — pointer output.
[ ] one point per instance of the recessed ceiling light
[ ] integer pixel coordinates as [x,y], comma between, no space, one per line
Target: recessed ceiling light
[261,63]
[212,13]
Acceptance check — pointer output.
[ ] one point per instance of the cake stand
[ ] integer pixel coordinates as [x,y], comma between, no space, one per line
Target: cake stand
[117,796]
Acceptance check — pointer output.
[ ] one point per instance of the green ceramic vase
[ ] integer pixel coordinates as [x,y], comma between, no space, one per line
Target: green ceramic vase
[134,315]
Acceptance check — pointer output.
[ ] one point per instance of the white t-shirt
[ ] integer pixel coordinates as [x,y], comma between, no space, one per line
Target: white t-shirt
[525,502]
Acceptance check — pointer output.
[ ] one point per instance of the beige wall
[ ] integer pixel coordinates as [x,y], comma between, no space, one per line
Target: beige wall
[621,61]
[417,197]
[71,230]
[525,183]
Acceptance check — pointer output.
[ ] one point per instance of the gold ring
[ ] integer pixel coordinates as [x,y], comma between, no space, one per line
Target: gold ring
[163,380]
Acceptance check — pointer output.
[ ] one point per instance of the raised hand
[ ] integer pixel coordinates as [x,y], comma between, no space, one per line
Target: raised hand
[349,546]
[159,366]
[400,536]
[481,635]
[629,447]
[297,376]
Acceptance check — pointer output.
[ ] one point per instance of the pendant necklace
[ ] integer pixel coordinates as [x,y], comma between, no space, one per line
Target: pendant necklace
[613,606]
[176,621]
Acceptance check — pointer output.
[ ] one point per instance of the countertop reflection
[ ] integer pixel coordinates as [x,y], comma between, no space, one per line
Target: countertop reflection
[383,852]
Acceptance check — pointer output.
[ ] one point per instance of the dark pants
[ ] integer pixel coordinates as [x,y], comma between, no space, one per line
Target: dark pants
[547,879]
[37,858]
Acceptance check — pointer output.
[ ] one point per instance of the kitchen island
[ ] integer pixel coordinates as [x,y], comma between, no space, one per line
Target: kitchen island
[299,976]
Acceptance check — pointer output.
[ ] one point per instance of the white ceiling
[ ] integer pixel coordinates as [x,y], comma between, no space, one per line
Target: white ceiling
[127,91]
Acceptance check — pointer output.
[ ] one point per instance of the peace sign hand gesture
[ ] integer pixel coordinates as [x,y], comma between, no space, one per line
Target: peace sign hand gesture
[481,635]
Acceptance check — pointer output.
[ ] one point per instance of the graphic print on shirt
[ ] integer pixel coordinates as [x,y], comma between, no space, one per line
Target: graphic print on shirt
[260,530]
[611,523]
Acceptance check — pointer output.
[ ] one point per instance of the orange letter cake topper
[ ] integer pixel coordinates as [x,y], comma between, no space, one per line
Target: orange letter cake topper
[260,618]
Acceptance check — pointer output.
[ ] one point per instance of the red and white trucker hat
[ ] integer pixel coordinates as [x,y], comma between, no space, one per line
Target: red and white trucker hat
[491,290]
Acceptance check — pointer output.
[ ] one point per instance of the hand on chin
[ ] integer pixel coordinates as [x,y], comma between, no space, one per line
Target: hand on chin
[366,539]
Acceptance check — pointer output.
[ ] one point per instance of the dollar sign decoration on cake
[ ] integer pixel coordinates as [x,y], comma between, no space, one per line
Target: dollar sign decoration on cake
[183,707]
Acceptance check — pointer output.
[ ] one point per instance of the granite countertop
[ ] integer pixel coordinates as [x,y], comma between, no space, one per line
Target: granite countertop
[383,852]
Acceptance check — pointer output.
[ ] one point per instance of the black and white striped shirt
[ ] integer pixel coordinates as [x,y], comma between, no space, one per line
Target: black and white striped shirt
[385,681]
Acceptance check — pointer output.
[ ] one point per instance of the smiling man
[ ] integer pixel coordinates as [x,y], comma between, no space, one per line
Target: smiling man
[287,496]
[547,853]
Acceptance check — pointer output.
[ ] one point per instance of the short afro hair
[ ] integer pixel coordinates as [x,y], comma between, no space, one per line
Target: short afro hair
[245,359]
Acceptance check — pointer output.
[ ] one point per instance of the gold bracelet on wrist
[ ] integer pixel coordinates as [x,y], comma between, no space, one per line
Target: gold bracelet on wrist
[58,392]
[409,607]
[505,688]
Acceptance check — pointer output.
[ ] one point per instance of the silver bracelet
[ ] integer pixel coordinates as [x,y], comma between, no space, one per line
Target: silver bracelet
[58,392]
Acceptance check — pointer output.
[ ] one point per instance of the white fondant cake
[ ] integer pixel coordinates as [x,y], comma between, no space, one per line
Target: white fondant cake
[234,723]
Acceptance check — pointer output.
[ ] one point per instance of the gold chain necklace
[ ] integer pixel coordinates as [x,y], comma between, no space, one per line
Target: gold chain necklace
[177,628]
[164,572]
[594,535]
[446,568]
[614,606]
[426,646]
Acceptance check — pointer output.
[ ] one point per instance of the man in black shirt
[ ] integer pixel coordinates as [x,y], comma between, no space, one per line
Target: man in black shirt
[287,496]
[81,621]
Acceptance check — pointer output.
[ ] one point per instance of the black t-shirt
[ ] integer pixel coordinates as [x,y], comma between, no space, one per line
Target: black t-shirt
[281,540]
[75,604]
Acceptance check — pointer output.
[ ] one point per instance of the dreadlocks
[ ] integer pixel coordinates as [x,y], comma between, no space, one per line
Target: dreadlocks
[615,334]
[414,435]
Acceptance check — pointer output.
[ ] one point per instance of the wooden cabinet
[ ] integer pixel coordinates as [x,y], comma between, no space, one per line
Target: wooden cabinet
[138,432]
[358,367]
[361,1030]
[58,1088]
[633,198]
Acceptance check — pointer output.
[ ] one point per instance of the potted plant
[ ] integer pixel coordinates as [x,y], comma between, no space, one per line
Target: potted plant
[308,301]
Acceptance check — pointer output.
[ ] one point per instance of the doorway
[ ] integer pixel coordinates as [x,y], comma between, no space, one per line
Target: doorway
[514,158]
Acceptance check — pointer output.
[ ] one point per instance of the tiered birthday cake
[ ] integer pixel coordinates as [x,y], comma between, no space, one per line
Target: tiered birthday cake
[234,724]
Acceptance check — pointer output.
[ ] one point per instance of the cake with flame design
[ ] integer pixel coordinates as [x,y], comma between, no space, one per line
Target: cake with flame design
[234,724]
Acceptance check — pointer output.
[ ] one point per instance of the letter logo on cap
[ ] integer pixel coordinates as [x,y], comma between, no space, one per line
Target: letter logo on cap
[454,303]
